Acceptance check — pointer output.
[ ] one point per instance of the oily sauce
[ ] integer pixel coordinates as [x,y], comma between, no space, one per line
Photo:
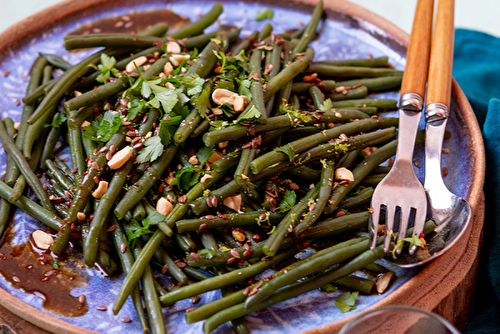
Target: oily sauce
[31,270]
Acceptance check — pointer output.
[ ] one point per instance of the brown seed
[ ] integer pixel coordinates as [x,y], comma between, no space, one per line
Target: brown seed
[111,228]
[191,309]
[180,264]
[109,155]
[123,247]
[95,166]
[231,260]
[16,279]
[247,253]
[96,179]
[101,308]
[214,202]
[81,299]
[235,253]
[238,235]
[202,227]
[164,269]
[182,199]
[126,320]
[50,273]
[195,300]
[112,149]
[262,217]
[6,73]
[209,202]
[417,163]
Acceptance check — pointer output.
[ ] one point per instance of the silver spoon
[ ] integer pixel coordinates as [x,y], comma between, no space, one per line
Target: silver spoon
[450,213]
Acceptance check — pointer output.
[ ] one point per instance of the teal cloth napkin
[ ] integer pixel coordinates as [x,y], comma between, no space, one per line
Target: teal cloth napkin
[476,67]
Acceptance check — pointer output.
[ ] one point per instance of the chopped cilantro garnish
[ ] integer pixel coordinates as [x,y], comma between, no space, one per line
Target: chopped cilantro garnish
[204,154]
[106,67]
[104,127]
[135,230]
[206,253]
[346,302]
[287,150]
[57,120]
[327,105]
[288,201]
[152,149]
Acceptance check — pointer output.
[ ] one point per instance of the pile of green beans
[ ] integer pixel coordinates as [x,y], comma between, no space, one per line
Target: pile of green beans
[233,159]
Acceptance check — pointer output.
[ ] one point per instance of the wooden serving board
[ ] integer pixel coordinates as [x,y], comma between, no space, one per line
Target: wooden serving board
[444,286]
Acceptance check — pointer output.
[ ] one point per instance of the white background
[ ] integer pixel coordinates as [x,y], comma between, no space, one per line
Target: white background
[472,14]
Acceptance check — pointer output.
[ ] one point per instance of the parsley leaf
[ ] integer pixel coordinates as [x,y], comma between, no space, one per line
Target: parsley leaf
[206,253]
[287,150]
[152,149]
[168,99]
[136,106]
[413,241]
[135,230]
[346,302]
[329,288]
[203,102]
[106,68]
[193,84]
[167,129]
[57,121]
[104,127]
[186,177]
[244,88]
[204,154]
[264,13]
[252,114]
[288,201]
[154,218]
[326,105]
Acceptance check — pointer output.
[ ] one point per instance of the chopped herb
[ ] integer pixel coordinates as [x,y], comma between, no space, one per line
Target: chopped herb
[55,263]
[263,14]
[287,150]
[154,218]
[346,302]
[104,127]
[106,67]
[288,201]
[252,114]
[329,288]
[167,129]
[136,106]
[152,149]
[186,177]
[206,253]
[244,88]
[57,121]
[326,105]
[203,102]
[135,230]
[193,84]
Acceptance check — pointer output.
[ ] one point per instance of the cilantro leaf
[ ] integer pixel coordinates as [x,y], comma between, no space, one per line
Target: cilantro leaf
[145,90]
[264,13]
[57,120]
[104,127]
[203,102]
[242,59]
[186,177]
[152,149]
[106,68]
[288,201]
[329,288]
[136,106]
[204,154]
[206,253]
[134,230]
[193,84]
[287,150]
[167,129]
[167,99]
[326,105]
[346,302]
[251,114]
[154,218]
[244,88]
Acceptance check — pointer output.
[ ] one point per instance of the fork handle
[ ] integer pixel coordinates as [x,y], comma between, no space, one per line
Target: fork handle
[417,56]
[441,61]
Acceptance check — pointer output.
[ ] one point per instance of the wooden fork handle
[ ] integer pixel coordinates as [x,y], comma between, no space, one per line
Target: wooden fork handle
[441,61]
[417,56]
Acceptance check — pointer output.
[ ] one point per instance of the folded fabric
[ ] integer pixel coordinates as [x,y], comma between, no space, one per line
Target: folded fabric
[476,68]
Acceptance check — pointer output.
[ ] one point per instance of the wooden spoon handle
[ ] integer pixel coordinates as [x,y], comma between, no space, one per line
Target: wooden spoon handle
[441,62]
[417,56]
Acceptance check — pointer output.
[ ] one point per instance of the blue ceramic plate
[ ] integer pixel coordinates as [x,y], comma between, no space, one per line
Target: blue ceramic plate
[341,37]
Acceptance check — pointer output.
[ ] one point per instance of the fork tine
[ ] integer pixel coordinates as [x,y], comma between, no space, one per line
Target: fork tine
[419,224]
[389,225]
[403,225]
[375,217]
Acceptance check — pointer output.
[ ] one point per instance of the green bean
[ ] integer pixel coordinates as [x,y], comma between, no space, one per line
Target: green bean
[363,197]
[59,177]
[185,242]
[158,29]
[305,174]
[226,161]
[45,216]
[285,91]
[57,190]
[77,117]
[361,171]
[288,73]
[137,192]
[206,62]
[336,226]
[200,41]
[150,296]
[62,85]
[296,289]
[243,169]
[317,97]
[197,27]
[370,111]
[327,176]
[48,149]
[64,168]
[350,71]
[348,159]
[266,31]
[246,42]
[353,93]
[310,30]
[200,204]
[291,219]
[5,207]
[201,128]
[135,273]
[217,282]
[374,84]
[194,273]
[304,87]
[34,130]
[101,93]
[23,165]
[283,121]
[127,260]
[139,212]
[256,88]
[147,125]
[76,151]
[303,144]
[379,103]
[56,61]
[361,62]
[189,124]
[373,180]
[172,268]
[239,219]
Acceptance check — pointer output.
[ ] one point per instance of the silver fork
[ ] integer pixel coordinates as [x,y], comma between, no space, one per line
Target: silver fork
[401,188]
